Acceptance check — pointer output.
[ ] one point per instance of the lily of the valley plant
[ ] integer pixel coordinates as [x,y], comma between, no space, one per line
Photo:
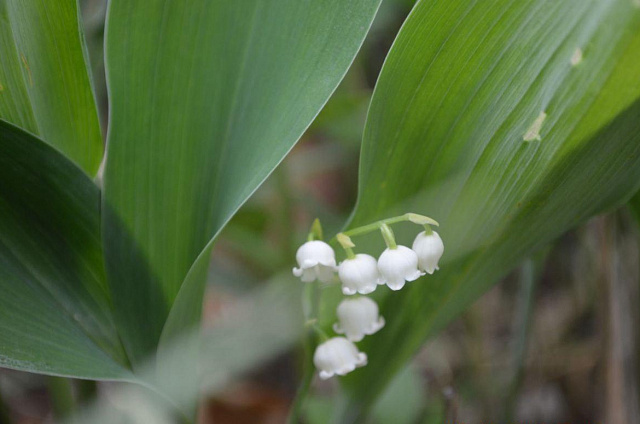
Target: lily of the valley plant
[361,273]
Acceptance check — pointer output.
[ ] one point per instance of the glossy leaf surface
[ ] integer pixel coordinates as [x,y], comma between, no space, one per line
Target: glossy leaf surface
[206,99]
[45,87]
[509,122]
[55,316]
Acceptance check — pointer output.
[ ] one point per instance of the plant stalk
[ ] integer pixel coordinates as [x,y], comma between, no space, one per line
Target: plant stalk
[62,400]
[5,415]
[311,307]
[375,226]
[87,390]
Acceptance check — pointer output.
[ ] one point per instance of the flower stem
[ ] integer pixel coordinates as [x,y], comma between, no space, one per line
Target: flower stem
[319,331]
[311,308]
[347,245]
[375,226]
[61,392]
[387,235]
[349,252]
[295,413]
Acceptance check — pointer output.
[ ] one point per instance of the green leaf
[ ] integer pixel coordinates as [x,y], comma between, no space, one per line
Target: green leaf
[55,315]
[483,119]
[206,99]
[44,84]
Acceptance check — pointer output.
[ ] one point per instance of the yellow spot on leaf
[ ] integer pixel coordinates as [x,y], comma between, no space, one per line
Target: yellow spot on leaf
[26,65]
[1,87]
[577,57]
[533,133]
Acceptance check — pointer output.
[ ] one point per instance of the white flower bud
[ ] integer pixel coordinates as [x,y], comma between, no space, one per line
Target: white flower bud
[338,356]
[358,317]
[359,274]
[397,265]
[429,248]
[316,260]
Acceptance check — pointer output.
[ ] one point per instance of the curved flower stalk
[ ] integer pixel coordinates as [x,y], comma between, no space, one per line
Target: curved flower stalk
[358,318]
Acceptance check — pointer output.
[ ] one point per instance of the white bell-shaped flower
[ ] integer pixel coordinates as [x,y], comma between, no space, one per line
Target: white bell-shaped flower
[397,266]
[338,356]
[358,318]
[429,248]
[359,275]
[316,260]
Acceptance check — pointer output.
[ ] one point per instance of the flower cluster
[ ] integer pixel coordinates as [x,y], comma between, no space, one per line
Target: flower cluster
[362,273]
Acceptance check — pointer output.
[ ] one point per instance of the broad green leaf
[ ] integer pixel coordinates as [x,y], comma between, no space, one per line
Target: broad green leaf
[55,315]
[486,118]
[206,99]
[44,84]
